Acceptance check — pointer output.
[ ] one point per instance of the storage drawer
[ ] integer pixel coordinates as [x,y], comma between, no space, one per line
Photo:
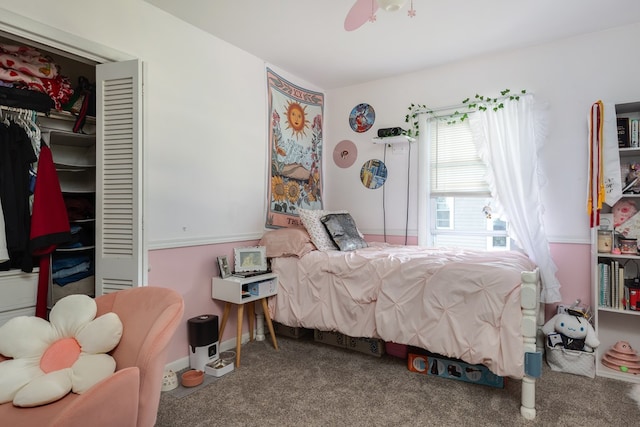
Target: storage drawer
[17,290]
[5,316]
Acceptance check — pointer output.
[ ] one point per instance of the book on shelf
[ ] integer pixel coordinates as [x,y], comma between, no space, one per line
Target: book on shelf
[634,135]
[620,293]
[612,290]
[624,130]
[603,281]
[613,284]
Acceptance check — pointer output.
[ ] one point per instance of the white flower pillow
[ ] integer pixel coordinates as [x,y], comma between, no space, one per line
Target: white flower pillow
[51,359]
[316,229]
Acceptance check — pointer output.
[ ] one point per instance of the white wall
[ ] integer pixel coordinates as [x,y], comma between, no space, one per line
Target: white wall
[205,122]
[205,129]
[568,75]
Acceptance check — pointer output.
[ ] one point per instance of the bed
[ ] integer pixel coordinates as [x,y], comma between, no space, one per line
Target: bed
[480,307]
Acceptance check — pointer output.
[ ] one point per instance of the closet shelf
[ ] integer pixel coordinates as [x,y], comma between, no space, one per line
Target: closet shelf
[80,221]
[65,138]
[63,127]
[77,181]
[62,115]
[79,249]
[72,168]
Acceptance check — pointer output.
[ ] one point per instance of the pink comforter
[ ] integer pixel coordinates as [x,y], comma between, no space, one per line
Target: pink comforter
[457,303]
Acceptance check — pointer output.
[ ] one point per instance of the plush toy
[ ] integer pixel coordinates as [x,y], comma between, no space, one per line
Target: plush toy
[572,331]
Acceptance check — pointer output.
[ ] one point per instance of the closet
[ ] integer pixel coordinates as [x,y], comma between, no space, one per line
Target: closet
[100,175]
[74,157]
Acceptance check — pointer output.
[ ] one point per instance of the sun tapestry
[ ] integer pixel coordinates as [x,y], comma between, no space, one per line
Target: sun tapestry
[295,141]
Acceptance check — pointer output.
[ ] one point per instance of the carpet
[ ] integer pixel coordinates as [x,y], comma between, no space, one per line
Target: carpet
[306,383]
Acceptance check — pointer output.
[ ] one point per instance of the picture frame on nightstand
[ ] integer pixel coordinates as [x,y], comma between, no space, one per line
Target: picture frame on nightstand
[223,264]
[250,259]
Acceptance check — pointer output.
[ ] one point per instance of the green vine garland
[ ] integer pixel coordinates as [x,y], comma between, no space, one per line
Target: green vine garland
[480,103]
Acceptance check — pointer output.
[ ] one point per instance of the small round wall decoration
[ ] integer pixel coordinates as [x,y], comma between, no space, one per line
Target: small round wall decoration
[345,153]
[362,117]
[373,174]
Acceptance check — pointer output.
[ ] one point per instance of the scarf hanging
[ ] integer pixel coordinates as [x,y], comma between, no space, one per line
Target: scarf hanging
[605,180]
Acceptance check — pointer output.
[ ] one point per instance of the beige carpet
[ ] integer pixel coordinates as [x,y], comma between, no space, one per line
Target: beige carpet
[312,384]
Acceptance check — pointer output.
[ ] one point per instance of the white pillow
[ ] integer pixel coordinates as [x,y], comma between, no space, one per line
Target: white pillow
[316,229]
[51,359]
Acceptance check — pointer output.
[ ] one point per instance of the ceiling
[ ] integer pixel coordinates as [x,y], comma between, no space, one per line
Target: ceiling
[307,37]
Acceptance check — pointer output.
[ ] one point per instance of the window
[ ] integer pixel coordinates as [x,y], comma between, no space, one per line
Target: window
[459,201]
[443,212]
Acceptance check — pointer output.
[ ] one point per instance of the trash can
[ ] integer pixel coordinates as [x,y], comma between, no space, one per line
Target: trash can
[203,340]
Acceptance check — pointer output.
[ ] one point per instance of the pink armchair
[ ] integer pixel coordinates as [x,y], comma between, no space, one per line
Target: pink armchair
[129,397]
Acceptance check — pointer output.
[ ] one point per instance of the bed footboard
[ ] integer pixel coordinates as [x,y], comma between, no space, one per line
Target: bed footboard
[532,321]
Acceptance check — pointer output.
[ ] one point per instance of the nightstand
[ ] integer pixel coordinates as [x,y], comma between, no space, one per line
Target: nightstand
[240,291]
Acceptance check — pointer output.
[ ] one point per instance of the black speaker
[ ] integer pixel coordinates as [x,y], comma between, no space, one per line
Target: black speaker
[385,132]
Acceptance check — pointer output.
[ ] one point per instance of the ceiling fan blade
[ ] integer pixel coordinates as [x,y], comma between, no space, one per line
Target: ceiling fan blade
[359,14]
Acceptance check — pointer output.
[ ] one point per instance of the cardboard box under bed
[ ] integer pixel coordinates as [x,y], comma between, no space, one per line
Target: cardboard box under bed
[371,346]
[290,331]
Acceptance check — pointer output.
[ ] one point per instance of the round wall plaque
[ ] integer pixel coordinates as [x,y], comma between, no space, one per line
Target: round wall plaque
[373,174]
[362,117]
[345,153]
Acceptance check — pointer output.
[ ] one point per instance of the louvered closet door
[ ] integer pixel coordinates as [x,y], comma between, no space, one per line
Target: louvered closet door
[120,249]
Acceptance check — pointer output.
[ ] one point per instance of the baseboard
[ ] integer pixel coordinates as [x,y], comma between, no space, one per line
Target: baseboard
[183,363]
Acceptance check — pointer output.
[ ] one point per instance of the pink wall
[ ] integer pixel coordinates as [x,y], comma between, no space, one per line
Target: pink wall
[574,273]
[189,271]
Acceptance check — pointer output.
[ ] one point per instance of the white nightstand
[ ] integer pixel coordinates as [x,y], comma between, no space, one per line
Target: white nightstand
[242,290]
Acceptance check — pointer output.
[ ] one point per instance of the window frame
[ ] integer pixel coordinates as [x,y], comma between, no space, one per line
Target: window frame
[427,211]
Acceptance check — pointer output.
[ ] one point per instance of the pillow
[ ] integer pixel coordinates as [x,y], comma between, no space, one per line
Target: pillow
[315,228]
[287,242]
[51,359]
[343,231]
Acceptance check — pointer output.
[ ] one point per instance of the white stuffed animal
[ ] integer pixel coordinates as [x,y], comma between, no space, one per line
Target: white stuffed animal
[575,331]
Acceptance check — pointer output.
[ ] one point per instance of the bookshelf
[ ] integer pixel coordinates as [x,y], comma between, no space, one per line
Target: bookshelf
[613,273]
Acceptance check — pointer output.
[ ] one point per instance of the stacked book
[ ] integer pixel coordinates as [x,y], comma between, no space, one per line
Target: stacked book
[628,132]
[611,282]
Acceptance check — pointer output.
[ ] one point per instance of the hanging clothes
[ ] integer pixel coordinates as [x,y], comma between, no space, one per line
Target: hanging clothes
[4,252]
[49,223]
[16,157]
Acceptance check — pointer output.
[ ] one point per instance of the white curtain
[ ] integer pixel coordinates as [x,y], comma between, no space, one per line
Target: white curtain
[508,141]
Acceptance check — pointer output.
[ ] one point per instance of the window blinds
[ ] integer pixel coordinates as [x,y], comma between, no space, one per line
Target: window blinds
[455,165]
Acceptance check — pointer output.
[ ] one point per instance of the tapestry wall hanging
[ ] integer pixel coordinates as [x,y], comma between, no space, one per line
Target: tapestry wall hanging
[295,142]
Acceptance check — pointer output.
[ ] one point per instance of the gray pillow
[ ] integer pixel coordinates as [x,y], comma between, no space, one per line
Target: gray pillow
[343,231]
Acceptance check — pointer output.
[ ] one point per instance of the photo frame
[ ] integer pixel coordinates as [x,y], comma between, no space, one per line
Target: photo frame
[252,258]
[225,269]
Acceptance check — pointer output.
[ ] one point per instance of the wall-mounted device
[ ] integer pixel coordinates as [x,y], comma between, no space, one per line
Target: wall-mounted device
[390,136]
[386,132]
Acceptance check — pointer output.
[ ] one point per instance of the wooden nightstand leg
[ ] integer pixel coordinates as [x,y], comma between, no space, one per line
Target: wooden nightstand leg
[265,308]
[225,317]
[251,314]
[239,335]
